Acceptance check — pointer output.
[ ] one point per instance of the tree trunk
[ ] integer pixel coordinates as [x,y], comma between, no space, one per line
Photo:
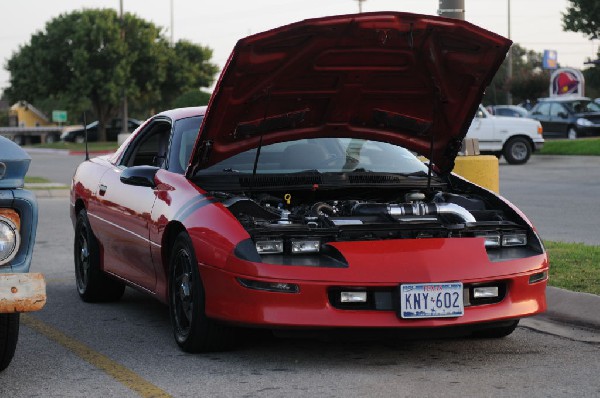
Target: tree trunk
[104,113]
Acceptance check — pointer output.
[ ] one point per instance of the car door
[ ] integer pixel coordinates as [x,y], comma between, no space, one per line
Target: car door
[483,129]
[126,208]
[559,119]
[542,113]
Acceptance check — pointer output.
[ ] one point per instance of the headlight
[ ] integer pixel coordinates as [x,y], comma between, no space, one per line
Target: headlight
[516,239]
[584,122]
[504,239]
[305,246]
[269,246]
[9,235]
[491,239]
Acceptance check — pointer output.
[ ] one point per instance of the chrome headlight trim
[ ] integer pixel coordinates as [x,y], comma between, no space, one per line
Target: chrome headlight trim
[10,240]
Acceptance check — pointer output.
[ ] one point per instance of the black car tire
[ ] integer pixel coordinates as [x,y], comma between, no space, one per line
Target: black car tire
[192,329]
[572,133]
[9,335]
[497,332]
[93,285]
[517,150]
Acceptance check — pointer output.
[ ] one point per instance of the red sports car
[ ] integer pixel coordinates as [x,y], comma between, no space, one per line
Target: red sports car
[295,199]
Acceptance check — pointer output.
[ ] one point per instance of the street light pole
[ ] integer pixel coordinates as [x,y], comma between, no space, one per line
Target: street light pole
[360,5]
[172,26]
[124,124]
[509,57]
[452,9]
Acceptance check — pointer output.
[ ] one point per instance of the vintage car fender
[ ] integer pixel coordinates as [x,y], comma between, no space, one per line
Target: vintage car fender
[20,291]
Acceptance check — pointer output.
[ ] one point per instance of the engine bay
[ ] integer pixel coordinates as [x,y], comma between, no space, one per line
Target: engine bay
[278,219]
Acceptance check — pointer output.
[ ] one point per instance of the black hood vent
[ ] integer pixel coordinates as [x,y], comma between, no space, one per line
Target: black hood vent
[374,179]
[272,181]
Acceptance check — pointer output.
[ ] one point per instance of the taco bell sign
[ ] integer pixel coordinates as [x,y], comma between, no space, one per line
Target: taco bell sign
[567,81]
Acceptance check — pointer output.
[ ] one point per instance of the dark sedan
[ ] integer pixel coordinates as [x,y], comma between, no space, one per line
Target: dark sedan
[568,117]
[113,129]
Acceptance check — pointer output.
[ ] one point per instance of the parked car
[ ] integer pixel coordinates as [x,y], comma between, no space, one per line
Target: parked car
[514,138]
[20,290]
[509,110]
[299,203]
[567,117]
[112,131]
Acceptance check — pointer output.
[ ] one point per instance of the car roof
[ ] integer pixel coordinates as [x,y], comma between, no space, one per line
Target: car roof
[182,113]
[564,99]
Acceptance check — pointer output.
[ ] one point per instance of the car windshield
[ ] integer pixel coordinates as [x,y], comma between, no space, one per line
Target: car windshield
[327,155]
[582,106]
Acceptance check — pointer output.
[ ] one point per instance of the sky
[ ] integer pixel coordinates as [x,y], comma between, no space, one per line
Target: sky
[218,24]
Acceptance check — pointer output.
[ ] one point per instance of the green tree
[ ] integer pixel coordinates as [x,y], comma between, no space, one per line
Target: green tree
[90,58]
[583,16]
[529,81]
[592,81]
[191,98]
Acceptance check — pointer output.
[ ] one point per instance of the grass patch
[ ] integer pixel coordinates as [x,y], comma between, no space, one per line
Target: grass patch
[581,146]
[36,180]
[74,146]
[574,266]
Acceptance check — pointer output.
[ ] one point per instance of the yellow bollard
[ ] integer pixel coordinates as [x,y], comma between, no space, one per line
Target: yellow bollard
[482,170]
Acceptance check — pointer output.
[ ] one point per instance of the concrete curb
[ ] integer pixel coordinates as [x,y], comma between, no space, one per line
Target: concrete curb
[51,193]
[565,306]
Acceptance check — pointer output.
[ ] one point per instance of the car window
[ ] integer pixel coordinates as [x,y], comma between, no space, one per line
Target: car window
[582,106]
[558,110]
[184,137]
[542,109]
[150,147]
[324,155]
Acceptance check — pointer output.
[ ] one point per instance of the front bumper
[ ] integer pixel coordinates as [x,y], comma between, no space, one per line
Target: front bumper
[312,307]
[23,292]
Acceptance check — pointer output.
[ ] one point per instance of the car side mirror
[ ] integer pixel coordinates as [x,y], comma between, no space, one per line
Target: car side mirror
[141,176]
[562,115]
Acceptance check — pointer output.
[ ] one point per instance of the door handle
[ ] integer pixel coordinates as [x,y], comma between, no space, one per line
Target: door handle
[102,189]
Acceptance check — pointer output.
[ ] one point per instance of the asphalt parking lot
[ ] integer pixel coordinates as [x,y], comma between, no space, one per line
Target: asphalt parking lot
[71,348]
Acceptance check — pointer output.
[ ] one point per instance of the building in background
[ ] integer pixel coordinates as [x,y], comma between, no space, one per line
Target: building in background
[23,114]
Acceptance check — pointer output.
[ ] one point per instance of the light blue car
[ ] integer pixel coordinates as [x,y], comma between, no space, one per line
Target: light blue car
[20,290]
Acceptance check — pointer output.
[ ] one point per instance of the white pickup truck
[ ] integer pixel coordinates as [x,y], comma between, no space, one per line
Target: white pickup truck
[514,138]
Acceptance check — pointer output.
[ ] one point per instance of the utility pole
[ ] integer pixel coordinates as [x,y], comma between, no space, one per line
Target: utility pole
[124,120]
[452,9]
[509,73]
[360,5]
[172,26]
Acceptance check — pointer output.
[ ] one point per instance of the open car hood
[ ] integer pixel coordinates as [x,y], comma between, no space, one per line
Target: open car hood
[411,80]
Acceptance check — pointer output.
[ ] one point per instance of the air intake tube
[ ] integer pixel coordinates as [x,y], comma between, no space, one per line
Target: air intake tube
[412,209]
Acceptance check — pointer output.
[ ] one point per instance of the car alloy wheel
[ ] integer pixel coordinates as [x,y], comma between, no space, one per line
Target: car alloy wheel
[82,259]
[182,287]
[193,330]
[93,285]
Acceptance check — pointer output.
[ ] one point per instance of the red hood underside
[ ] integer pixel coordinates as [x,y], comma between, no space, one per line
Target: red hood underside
[411,80]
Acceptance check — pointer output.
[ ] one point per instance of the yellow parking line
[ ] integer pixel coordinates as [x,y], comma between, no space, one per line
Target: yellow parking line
[118,372]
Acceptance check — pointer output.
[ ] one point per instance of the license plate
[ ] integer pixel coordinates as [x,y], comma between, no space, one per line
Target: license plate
[431,300]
